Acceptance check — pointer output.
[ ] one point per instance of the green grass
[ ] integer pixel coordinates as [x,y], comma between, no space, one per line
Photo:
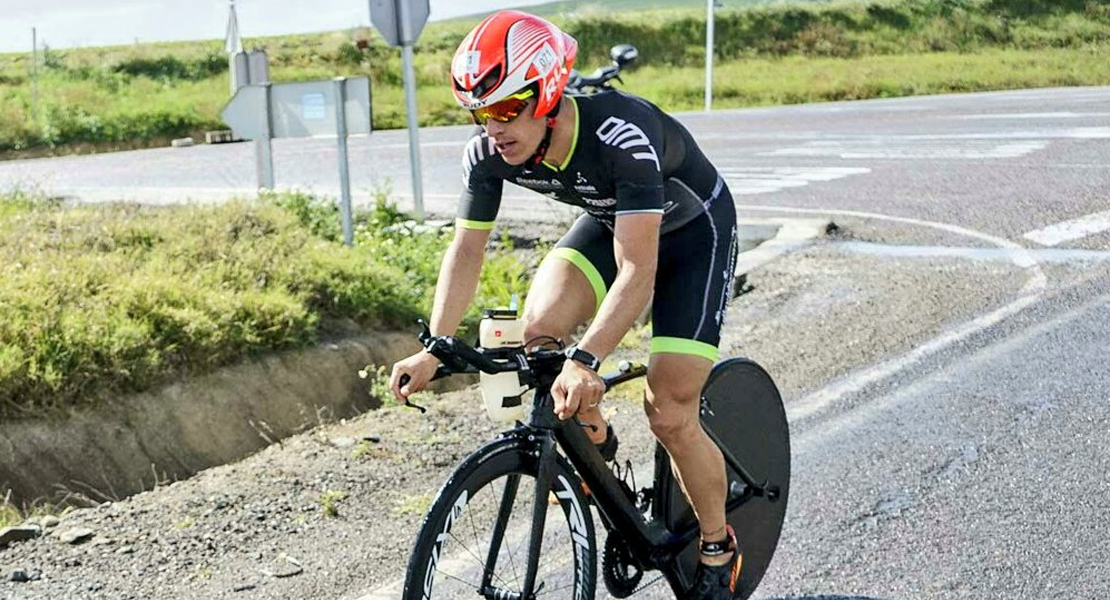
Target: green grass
[329,502]
[130,96]
[10,516]
[794,80]
[110,299]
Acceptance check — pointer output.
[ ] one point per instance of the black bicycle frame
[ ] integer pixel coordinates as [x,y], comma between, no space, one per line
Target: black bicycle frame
[652,544]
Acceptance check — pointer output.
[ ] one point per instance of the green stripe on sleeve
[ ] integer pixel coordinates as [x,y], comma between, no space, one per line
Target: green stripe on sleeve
[479,225]
[588,269]
[672,345]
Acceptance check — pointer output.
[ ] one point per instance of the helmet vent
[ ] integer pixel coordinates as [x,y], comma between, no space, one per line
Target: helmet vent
[487,83]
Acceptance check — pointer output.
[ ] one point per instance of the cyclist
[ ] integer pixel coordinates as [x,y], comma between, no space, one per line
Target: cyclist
[658,220]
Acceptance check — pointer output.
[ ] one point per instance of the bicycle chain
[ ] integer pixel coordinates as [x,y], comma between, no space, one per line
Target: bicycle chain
[644,585]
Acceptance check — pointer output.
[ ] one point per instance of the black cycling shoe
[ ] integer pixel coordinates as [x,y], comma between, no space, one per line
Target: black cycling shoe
[608,448]
[718,582]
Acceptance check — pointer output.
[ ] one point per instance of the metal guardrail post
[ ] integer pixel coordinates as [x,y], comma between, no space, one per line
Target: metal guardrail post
[344,171]
[263,146]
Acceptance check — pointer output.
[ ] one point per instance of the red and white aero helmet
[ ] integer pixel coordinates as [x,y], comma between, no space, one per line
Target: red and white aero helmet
[508,52]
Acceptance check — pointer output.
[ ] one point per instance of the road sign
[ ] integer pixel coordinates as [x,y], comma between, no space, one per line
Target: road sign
[302,109]
[399,25]
[334,107]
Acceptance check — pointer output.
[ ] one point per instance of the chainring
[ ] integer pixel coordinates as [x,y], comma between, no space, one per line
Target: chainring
[619,568]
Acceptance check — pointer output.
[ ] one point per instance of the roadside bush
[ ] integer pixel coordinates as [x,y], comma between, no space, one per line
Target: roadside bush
[108,299]
[170,67]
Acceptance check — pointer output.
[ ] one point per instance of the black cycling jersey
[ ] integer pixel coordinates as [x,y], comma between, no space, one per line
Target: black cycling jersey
[627,156]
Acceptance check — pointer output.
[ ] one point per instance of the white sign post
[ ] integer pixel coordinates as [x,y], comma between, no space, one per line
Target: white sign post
[341,138]
[709,22]
[35,76]
[338,107]
[400,23]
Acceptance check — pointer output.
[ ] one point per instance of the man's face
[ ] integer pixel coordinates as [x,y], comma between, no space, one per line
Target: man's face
[517,139]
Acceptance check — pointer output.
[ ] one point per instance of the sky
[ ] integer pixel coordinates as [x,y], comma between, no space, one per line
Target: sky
[74,23]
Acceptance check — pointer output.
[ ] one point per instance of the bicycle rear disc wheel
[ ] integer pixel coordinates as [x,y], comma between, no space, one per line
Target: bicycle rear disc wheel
[452,551]
[745,413]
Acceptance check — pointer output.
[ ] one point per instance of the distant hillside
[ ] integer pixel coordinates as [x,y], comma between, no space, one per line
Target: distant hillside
[578,7]
[766,53]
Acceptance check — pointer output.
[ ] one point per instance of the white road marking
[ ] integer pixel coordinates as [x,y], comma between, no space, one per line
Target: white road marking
[997,254]
[905,148]
[1073,229]
[1079,133]
[927,386]
[1030,293]
[1047,115]
[760,180]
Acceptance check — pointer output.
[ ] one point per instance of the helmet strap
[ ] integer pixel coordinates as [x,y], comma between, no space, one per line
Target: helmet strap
[541,151]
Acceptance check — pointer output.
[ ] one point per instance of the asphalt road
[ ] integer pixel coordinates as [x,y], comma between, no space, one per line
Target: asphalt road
[1004,163]
[979,474]
[970,464]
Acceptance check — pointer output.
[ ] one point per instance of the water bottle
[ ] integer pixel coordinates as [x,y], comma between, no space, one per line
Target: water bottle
[502,392]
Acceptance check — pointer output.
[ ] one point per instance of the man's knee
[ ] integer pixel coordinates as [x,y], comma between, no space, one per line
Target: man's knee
[545,325]
[673,397]
[672,418]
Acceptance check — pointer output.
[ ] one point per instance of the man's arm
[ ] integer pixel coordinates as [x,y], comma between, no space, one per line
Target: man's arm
[636,247]
[458,279]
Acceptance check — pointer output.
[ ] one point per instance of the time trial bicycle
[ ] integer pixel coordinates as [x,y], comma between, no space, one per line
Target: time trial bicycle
[514,519]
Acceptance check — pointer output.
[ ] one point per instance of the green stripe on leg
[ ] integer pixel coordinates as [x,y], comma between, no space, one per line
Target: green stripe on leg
[672,345]
[588,269]
[479,225]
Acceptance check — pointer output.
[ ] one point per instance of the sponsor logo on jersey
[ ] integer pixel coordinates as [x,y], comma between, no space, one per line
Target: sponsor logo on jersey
[585,189]
[628,136]
[539,185]
[601,202]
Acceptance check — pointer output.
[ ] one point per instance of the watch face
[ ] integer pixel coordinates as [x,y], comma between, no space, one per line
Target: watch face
[578,355]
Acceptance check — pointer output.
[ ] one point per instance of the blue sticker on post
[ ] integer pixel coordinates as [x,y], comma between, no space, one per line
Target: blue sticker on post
[314,107]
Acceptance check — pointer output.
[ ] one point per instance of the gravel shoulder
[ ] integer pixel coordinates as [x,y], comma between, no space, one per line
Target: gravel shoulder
[264,528]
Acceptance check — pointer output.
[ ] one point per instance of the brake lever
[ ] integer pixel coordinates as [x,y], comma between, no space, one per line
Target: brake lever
[405,379]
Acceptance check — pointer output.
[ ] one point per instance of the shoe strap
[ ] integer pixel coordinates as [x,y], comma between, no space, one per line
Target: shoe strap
[716,548]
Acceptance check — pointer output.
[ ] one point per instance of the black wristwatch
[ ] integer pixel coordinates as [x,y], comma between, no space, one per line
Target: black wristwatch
[581,356]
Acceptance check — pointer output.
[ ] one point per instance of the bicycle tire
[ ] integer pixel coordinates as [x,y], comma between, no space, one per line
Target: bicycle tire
[448,559]
[760,440]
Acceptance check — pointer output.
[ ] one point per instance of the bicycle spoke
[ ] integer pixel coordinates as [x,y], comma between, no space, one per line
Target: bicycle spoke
[552,590]
[512,565]
[477,559]
[462,581]
[474,544]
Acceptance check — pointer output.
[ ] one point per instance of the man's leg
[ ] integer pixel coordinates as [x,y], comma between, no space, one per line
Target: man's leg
[675,382]
[562,298]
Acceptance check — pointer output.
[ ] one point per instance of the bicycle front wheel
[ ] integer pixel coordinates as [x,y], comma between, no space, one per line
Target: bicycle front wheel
[474,541]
